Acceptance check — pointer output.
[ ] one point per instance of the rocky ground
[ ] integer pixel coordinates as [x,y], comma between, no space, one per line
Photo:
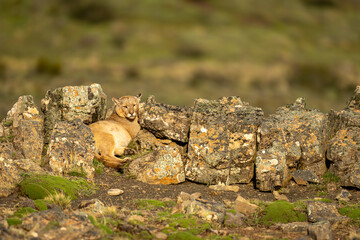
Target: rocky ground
[145,211]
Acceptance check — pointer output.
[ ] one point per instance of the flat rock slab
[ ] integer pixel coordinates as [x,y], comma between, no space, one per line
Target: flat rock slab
[318,211]
[305,175]
[222,142]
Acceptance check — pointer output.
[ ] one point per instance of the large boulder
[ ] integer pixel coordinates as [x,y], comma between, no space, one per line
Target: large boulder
[71,148]
[163,166]
[292,138]
[23,126]
[344,142]
[222,141]
[166,121]
[87,103]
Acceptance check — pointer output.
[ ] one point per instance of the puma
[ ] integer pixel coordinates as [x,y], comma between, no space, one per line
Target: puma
[113,135]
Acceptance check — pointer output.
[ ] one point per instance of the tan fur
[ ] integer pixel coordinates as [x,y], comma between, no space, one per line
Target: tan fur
[113,135]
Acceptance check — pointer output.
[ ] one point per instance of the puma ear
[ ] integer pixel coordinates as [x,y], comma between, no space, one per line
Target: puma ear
[139,96]
[116,101]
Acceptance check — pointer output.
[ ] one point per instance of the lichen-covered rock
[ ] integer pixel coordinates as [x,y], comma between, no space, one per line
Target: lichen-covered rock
[69,225]
[87,103]
[343,138]
[344,152]
[7,150]
[207,210]
[23,126]
[319,211]
[222,142]
[166,121]
[163,166]
[11,173]
[71,148]
[29,140]
[292,138]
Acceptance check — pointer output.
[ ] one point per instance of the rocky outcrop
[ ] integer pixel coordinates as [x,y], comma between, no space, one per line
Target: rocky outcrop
[222,142]
[344,142]
[11,173]
[292,138]
[23,126]
[163,166]
[71,148]
[166,121]
[87,103]
[319,211]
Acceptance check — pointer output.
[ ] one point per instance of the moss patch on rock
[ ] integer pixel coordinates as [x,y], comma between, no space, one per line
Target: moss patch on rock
[352,212]
[281,212]
[40,186]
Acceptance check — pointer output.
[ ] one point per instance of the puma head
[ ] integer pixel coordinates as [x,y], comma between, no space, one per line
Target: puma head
[127,106]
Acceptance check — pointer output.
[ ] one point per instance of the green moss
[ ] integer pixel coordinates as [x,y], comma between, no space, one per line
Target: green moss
[352,212]
[183,236]
[40,186]
[150,204]
[144,235]
[233,211]
[40,204]
[281,212]
[7,123]
[20,213]
[13,221]
[326,200]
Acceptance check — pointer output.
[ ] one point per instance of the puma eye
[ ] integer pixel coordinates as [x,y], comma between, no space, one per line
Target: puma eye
[125,107]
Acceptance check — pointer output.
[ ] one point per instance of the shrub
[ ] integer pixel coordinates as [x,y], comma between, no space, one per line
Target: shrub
[59,199]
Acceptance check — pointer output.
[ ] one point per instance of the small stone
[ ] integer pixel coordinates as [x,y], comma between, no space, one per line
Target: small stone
[115,192]
[279,196]
[344,196]
[137,218]
[300,227]
[321,230]
[234,219]
[161,235]
[319,211]
[223,187]
[244,206]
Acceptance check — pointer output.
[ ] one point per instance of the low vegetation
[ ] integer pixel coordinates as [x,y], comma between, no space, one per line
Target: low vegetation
[41,186]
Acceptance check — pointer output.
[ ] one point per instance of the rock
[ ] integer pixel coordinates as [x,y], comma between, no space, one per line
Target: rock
[279,196]
[223,187]
[292,138]
[70,225]
[163,166]
[300,227]
[161,236]
[344,196]
[87,103]
[71,148]
[343,151]
[244,206]
[7,150]
[321,231]
[166,121]
[135,218]
[92,206]
[115,192]
[12,171]
[305,175]
[207,210]
[318,211]
[23,126]
[147,141]
[29,140]
[234,219]
[222,142]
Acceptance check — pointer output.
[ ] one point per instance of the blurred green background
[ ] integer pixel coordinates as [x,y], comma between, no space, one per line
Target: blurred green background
[268,52]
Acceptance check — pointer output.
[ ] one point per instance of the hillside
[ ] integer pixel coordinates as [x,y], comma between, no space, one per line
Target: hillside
[267,52]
